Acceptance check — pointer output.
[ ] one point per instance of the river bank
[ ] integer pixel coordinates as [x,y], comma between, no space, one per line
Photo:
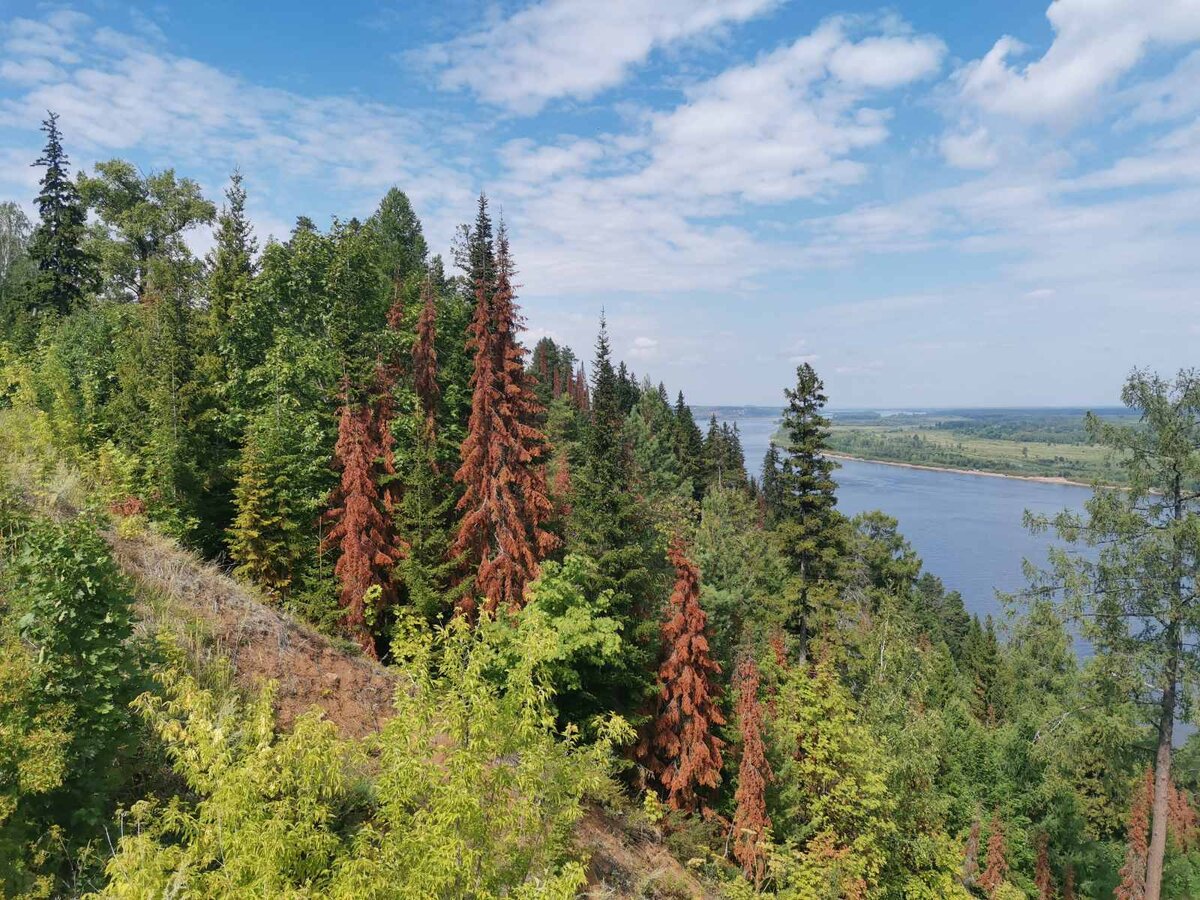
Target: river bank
[1041,479]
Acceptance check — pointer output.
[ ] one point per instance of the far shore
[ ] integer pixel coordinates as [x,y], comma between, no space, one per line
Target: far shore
[1044,479]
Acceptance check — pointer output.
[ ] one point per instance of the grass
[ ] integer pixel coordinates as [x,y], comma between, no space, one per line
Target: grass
[950,449]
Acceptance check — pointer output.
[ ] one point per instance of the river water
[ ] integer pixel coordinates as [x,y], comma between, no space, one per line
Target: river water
[966,528]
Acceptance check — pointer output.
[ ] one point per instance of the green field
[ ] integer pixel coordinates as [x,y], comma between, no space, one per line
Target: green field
[1029,442]
[1079,462]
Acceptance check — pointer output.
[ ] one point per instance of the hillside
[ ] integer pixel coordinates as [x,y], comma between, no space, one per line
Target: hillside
[217,618]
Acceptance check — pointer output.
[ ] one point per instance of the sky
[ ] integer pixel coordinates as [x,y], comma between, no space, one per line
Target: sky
[935,203]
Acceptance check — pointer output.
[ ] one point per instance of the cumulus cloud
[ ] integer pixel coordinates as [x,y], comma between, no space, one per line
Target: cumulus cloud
[971,150]
[1095,44]
[786,125]
[767,132]
[118,93]
[565,48]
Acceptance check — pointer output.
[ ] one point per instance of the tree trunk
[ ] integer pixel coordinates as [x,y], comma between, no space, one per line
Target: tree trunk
[1162,780]
[1166,722]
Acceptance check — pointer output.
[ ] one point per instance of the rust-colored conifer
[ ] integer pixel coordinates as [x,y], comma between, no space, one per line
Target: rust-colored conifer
[1043,876]
[361,531]
[504,504]
[750,819]
[995,872]
[578,390]
[1137,850]
[1069,883]
[1181,819]
[685,753]
[424,358]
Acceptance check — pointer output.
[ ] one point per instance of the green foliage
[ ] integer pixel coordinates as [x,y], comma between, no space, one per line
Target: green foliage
[67,674]
[475,794]
[835,812]
[139,240]
[66,270]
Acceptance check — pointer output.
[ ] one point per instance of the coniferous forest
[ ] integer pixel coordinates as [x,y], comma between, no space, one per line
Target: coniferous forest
[598,622]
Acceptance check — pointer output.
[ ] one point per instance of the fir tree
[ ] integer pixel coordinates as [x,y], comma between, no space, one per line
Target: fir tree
[686,753]
[66,272]
[505,504]
[771,485]
[360,531]
[231,264]
[280,476]
[689,448]
[424,360]
[995,872]
[750,819]
[1137,847]
[1043,877]
[399,239]
[610,525]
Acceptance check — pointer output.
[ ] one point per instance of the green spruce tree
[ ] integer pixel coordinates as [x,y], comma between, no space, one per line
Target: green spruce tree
[66,271]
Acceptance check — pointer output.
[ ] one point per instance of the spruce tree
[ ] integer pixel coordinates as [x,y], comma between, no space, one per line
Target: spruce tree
[66,272]
[808,526]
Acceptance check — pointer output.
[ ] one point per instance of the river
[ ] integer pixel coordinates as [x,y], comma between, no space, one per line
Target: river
[966,528]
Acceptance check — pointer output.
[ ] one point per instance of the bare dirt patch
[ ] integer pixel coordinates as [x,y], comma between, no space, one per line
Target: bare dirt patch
[261,642]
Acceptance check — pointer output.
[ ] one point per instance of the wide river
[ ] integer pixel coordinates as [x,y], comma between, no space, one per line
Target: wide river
[966,528]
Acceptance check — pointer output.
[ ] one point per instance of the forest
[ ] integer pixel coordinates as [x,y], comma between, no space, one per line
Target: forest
[589,606]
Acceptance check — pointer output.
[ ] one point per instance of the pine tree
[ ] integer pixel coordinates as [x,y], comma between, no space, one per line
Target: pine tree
[686,753]
[750,819]
[66,271]
[505,504]
[360,531]
[995,872]
[1137,848]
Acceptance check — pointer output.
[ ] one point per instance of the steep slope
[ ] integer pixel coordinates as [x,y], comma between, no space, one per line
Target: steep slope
[214,616]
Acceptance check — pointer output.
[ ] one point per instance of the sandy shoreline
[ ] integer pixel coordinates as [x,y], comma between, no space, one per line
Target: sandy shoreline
[1044,479]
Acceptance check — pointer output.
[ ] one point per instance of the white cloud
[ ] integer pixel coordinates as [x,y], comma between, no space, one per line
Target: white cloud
[118,93]
[568,48]
[643,348]
[641,211]
[786,125]
[1096,42]
[970,150]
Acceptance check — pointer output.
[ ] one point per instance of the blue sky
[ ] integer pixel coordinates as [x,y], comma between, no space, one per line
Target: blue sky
[934,202]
